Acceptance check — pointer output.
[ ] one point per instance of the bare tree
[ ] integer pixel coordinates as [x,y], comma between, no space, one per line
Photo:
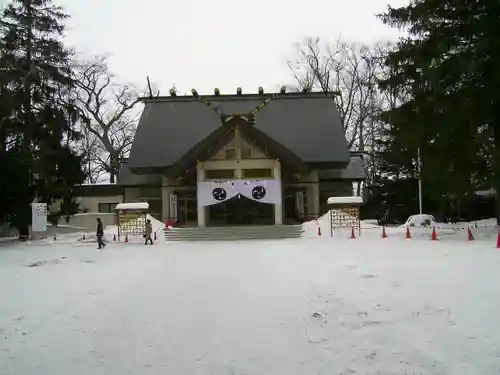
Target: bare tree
[109,115]
[91,148]
[349,69]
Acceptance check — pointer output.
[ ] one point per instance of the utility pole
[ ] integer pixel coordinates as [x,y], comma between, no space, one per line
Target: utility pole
[419,166]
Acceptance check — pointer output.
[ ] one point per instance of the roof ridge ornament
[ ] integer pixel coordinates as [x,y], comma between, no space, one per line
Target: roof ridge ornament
[260,106]
[213,107]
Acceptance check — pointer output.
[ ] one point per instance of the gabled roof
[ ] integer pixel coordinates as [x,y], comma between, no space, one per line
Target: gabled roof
[306,126]
[201,150]
[234,105]
[354,171]
[207,148]
[276,149]
[167,130]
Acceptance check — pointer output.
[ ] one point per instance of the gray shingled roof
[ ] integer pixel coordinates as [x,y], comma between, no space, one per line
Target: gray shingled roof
[308,124]
[355,170]
[239,106]
[127,178]
[168,129]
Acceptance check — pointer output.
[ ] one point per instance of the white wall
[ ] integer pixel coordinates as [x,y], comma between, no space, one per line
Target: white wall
[89,220]
[239,145]
[91,204]
[238,165]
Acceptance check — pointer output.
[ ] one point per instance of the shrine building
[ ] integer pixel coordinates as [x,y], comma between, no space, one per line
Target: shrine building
[239,159]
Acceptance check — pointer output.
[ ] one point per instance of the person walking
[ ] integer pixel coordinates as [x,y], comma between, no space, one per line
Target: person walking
[100,234]
[149,231]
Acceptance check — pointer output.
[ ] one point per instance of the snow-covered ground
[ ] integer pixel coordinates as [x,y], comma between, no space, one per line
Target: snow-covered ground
[316,305]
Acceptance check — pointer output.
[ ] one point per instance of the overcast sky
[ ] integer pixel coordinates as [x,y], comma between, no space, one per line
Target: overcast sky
[218,43]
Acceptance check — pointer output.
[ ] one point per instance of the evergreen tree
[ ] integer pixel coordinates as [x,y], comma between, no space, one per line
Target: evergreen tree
[450,68]
[37,121]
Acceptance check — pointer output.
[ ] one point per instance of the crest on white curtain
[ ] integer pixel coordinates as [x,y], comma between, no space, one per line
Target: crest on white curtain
[264,191]
[213,192]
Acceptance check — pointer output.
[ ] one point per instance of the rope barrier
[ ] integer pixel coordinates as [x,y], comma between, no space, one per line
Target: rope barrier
[457,228]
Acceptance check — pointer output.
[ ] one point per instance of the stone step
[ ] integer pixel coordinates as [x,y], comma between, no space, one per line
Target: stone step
[249,228]
[240,238]
[234,230]
[233,233]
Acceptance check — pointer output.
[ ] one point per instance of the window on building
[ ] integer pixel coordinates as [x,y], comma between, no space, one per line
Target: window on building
[219,174]
[150,192]
[230,154]
[106,208]
[257,173]
[246,153]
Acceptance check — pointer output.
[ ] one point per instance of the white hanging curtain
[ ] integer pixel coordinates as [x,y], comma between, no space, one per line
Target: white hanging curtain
[213,192]
[173,206]
[299,202]
[263,191]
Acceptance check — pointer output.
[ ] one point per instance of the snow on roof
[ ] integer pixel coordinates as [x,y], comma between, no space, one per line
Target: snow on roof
[132,206]
[345,200]
[486,193]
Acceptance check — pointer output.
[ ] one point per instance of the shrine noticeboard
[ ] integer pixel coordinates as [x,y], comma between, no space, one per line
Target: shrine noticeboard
[39,217]
[131,218]
[344,213]
[132,223]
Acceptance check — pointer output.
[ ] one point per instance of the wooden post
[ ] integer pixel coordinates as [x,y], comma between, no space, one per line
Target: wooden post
[118,223]
[331,223]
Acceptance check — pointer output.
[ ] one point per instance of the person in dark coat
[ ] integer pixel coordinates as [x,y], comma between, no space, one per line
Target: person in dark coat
[100,234]
[148,232]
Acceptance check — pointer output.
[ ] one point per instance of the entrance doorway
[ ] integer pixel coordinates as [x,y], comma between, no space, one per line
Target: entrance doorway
[187,211]
[241,211]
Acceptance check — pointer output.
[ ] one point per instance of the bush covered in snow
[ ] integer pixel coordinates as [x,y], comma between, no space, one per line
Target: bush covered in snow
[420,221]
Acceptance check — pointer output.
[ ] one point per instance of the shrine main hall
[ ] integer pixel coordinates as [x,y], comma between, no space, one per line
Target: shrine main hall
[242,159]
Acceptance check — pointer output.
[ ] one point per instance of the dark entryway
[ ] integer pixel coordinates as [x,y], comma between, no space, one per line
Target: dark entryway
[241,211]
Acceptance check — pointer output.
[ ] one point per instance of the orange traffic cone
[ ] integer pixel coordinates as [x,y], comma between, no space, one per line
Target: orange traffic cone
[470,236]
[384,233]
[434,235]
[126,238]
[408,233]
[353,234]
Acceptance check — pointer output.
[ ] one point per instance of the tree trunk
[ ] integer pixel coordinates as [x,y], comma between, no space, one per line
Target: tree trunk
[496,168]
[25,211]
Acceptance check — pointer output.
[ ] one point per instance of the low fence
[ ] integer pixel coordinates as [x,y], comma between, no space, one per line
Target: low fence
[88,221]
